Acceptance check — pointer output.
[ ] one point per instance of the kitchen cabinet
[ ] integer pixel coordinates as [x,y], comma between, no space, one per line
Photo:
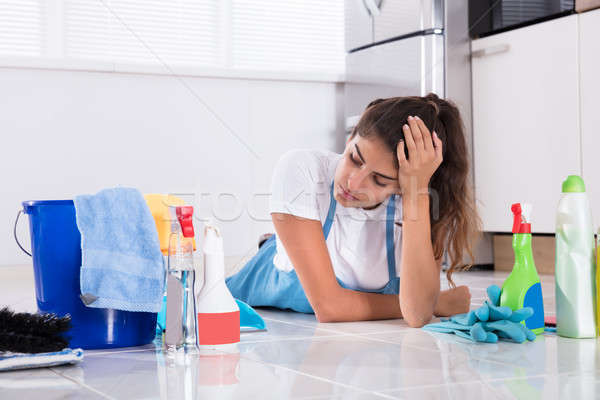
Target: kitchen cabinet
[406,64]
[526,120]
[589,68]
[399,68]
[397,18]
[358,24]
[371,21]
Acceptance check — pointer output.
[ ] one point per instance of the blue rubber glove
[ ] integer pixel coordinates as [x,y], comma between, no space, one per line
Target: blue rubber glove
[488,323]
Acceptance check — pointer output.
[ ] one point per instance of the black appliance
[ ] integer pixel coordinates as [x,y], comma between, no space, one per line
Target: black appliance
[487,17]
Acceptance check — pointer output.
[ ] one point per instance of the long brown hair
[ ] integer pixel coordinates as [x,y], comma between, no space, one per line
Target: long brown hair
[455,224]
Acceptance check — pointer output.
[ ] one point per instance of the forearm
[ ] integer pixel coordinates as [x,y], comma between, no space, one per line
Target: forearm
[419,273]
[347,305]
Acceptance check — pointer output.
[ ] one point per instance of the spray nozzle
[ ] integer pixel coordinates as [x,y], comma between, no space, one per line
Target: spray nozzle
[184,216]
[521,217]
[213,241]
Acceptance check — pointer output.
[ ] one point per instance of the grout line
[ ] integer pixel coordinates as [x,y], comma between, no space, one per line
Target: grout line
[363,336]
[515,378]
[301,325]
[416,347]
[337,332]
[317,327]
[432,385]
[83,385]
[493,390]
[365,391]
[341,396]
[484,382]
[360,334]
[471,357]
[403,331]
[331,334]
[103,353]
[289,339]
[438,351]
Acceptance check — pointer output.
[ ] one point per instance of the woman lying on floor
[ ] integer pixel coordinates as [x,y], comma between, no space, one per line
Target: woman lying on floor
[361,235]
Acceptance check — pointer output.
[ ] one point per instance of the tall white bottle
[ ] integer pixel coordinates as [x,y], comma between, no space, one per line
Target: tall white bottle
[575,263]
[218,313]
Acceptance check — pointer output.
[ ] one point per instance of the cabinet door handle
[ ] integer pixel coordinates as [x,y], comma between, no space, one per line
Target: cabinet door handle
[501,48]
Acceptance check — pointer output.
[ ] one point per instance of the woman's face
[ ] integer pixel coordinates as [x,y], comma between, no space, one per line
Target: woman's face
[366,175]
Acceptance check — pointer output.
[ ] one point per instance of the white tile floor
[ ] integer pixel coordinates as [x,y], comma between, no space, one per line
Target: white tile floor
[300,358]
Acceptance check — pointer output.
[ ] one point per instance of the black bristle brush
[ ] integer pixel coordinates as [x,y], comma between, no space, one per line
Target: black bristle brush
[32,333]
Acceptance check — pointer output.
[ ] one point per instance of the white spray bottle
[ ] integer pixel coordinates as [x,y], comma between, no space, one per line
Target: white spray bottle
[218,313]
[575,263]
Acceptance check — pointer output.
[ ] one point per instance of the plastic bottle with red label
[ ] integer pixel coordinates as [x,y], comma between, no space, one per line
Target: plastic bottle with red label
[217,311]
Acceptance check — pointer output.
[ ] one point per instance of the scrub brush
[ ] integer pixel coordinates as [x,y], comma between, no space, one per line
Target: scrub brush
[32,333]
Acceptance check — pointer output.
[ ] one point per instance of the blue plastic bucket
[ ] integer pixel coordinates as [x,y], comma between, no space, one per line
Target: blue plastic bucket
[56,253]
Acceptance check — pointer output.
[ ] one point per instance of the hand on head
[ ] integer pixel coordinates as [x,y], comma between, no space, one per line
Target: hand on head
[424,156]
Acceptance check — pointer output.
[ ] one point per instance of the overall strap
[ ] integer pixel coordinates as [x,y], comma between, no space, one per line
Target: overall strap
[389,237]
[389,230]
[330,214]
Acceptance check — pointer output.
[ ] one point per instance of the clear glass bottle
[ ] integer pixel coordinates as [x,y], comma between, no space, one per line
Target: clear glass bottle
[181,275]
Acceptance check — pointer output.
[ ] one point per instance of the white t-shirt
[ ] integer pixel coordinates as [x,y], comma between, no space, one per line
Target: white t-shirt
[301,186]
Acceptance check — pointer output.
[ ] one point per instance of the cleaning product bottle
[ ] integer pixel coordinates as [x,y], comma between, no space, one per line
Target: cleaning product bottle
[218,313]
[575,263]
[597,246]
[522,288]
[159,205]
[181,305]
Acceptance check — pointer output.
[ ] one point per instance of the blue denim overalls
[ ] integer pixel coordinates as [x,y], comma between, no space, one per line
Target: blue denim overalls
[260,283]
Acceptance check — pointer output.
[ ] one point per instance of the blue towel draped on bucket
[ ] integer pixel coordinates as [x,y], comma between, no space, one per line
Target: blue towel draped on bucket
[122,265]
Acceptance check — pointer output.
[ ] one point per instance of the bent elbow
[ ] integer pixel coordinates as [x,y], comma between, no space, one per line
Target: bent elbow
[418,312]
[323,318]
[323,315]
[324,312]
[418,320]
[326,308]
